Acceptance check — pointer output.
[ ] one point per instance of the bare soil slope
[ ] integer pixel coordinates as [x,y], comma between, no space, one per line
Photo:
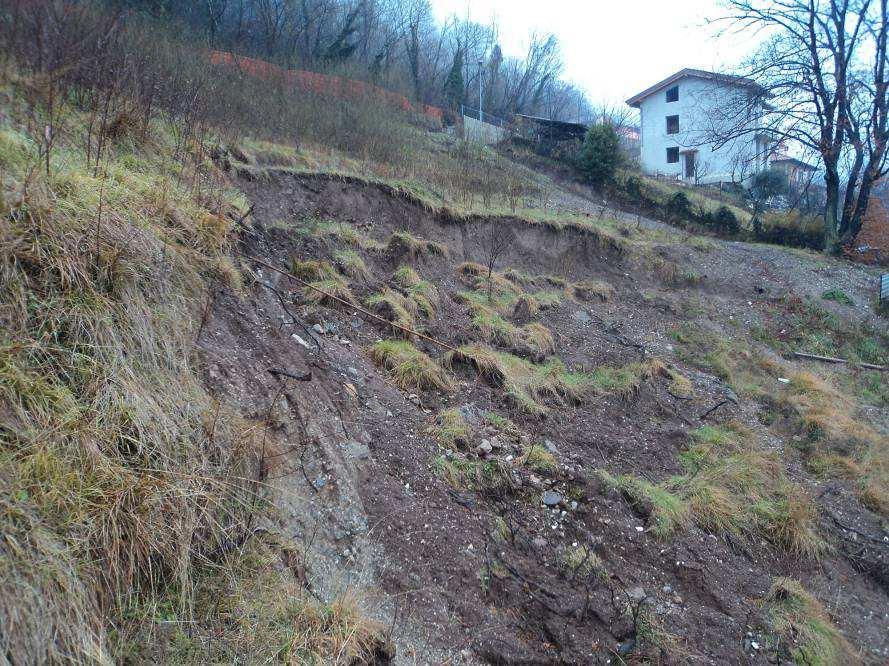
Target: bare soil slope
[531,511]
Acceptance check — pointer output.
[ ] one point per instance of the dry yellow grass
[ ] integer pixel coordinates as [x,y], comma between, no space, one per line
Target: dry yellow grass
[123,483]
[411,368]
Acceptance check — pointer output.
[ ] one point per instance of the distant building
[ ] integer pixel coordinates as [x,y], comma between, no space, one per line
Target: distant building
[681,114]
[799,174]
[548,136]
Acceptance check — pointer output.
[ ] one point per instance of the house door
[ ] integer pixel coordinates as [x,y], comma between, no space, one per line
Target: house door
[690,164]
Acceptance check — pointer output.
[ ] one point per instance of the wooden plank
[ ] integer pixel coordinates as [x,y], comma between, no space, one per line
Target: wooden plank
[831,359]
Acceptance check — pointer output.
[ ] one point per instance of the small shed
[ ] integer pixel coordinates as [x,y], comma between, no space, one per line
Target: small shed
[546,131]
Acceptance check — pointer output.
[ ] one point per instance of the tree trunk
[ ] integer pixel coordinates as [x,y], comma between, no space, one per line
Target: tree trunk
[832,185]
[853,226]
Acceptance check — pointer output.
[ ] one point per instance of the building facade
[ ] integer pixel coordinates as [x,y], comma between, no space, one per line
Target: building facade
[700,127]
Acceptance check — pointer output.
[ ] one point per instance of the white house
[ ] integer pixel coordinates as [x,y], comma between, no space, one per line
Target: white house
[685,119]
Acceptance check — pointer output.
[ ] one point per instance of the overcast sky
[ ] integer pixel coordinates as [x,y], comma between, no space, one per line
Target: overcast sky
[613,48]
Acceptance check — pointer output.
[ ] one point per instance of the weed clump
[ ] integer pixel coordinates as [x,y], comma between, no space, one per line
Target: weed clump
[352,264]
[451,430]
[591,289]
[329,292]
[527,384]
[837,295]
[805,627]
[411,368]
[536,457]
[402,243]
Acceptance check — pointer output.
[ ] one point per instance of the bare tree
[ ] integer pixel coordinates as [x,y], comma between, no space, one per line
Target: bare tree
[822,68]
[494,241]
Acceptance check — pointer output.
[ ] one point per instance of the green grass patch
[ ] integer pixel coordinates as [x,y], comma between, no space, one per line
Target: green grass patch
[838,296]
[488,476]
[422,293]
[451,430]
[312,270]
[529,386]
[409,367]
[536,457]
[805,627]
[582,561]
[666,511]
[325,292]
[730,488]
[352,264]
[589,290]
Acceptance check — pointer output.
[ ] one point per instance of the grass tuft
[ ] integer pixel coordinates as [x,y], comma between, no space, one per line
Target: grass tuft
[351,264]
[321,291]
[582,561]
[402,243]
[488,476]
[591,289]
[526,384]
[312,270]
[451,430]
[536,457]
[422,293]
[806,628]
[411,368]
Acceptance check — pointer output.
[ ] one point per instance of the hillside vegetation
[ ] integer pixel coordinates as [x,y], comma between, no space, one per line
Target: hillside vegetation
[288,379]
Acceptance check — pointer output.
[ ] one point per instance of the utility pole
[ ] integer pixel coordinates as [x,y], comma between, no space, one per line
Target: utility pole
[481,114]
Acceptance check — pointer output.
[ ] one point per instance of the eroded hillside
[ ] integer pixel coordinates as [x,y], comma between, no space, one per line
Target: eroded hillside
[600,452]
[582,436]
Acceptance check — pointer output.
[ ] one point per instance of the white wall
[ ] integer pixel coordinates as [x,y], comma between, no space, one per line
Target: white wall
[702,106]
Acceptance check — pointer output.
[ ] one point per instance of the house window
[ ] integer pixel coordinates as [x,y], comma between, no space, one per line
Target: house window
[672,155]
[672,124]
[673,94]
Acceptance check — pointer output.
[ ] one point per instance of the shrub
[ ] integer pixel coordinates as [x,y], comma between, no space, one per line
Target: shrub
[723,221]
[600,156]
[679,207]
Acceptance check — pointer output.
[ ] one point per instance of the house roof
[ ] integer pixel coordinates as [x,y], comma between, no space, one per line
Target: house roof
[792,161]
[728,79]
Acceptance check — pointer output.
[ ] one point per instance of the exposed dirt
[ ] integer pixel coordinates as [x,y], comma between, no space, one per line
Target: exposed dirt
[349,456]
